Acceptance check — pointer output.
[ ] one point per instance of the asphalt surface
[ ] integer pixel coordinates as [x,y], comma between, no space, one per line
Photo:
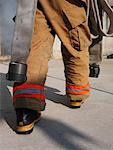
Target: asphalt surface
[62,128]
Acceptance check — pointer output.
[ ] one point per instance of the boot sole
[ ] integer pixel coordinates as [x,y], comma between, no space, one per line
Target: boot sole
[75,105]
[28,128]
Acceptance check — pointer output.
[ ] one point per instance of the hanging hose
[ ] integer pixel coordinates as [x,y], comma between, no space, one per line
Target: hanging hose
[95,6]
[21,40]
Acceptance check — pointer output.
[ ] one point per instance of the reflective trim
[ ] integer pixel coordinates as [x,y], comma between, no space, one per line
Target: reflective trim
[28,86]
[78,90]
[30,91]
[73,90]
[77,87]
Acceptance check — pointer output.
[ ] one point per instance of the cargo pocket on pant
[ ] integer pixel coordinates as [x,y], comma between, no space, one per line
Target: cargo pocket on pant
[80,37]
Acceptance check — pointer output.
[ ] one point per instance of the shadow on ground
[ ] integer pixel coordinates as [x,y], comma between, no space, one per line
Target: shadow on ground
[64,135]
[52,95]
[6,107]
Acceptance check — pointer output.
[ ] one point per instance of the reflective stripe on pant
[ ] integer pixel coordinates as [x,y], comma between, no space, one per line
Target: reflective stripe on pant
[29,96]
[68,21]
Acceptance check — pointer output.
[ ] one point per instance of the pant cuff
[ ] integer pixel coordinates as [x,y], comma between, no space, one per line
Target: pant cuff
[29,96]
[78,92]
[30,104]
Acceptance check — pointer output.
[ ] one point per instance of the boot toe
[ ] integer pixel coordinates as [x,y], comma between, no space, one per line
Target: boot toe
[26,119]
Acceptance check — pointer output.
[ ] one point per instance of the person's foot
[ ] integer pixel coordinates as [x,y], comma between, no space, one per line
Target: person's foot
[75,104]
[26,118]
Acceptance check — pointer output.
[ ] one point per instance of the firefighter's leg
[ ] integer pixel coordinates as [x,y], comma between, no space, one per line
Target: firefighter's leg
[76,59]
[28,98]
[30,94]
[76,73]
[69,22]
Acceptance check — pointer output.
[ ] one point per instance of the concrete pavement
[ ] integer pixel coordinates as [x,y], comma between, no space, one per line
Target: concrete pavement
[62,128]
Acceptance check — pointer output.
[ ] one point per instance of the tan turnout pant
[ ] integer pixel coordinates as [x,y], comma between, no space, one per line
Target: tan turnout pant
[67,19]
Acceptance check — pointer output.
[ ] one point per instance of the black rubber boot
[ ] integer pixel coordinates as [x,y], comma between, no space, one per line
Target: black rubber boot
[26,118]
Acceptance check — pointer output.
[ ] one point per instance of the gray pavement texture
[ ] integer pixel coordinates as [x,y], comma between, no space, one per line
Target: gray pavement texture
[62,128]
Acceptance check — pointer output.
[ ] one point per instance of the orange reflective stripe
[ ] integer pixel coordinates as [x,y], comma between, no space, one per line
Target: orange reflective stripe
[78,90]
[77,87]
[79,93]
